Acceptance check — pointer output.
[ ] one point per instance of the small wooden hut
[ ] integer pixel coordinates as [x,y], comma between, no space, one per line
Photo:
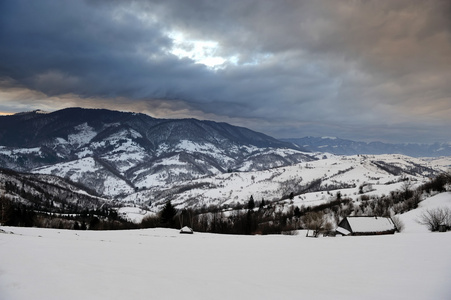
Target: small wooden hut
[186,230]
[366,226]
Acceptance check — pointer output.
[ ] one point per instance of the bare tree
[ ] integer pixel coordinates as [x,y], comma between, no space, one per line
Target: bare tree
[185,217]
[434,218]
[406,189]
[315,221]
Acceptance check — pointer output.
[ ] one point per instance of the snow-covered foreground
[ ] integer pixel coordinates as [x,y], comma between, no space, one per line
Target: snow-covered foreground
[162,264]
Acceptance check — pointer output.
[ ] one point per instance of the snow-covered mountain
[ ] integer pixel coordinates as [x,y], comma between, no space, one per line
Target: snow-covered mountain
[117,153]
[135,159]
[347,147]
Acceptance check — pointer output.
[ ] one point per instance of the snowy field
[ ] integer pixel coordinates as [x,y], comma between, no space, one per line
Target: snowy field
[162,264]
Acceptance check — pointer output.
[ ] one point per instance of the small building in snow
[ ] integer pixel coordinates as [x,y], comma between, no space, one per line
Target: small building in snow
[187,230]
[366,226]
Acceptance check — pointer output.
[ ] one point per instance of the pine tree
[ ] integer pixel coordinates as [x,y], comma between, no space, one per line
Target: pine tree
[167,215]
[297,212]
[251,203]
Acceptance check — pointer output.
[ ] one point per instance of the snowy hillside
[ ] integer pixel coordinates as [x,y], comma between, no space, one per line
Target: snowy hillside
[410,218]
[47,192]
[312,183]
[161,263]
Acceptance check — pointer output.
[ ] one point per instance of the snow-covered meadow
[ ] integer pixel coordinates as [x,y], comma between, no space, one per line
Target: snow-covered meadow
[163,264]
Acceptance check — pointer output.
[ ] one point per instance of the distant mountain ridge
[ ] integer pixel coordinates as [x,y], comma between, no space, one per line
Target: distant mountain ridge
[348,147]
[31,129]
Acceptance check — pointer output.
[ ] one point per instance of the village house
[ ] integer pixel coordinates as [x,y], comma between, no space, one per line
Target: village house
[366,226]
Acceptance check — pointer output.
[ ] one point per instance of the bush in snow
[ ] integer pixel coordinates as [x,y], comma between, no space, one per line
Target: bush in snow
[435,218]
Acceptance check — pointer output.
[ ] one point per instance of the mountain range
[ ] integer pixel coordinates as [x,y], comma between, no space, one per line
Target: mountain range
[116,153]
[348,147]
[88,158]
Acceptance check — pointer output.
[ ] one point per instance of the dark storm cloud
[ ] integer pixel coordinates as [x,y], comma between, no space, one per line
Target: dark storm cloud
[65,46]
[353,69]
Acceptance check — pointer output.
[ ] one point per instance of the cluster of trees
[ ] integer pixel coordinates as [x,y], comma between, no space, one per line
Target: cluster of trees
[240,221]
[17,214]
[165,218]
[252,218]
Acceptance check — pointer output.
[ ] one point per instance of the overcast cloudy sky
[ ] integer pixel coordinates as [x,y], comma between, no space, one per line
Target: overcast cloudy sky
[362,70]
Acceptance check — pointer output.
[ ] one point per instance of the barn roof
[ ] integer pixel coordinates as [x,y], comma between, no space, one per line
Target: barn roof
[366,225]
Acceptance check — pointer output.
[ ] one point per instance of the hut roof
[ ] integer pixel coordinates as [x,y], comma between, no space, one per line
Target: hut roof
[186,229]
[365,225]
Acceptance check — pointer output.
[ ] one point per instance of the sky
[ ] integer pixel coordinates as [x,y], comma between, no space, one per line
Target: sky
[362,70]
